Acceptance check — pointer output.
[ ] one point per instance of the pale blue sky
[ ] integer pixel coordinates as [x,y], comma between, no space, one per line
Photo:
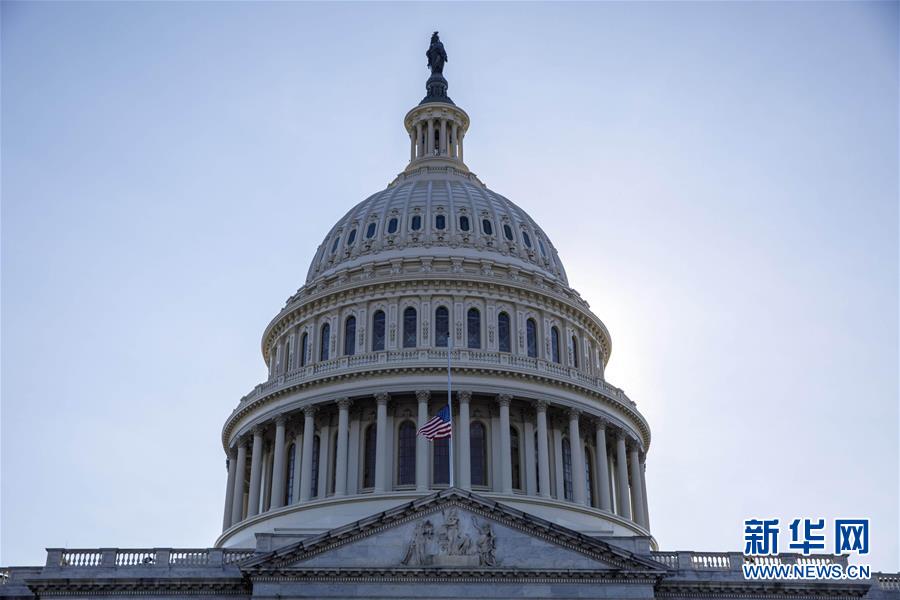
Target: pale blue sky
[720,180]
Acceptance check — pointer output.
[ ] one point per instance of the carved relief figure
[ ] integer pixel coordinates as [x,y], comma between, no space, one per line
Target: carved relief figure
[419,550]
[451,540]
[486,544]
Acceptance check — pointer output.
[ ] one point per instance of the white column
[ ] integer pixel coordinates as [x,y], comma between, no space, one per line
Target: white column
[255,472]
[420,142]
[422,396]
[578,481]
[340,475]
[306,471]
[229,490]
[637,488]
[278,468]
[454,143]
[605,502]
[543,450]
[381,433]
[644,485]
[530,459]
[505,448]
[622,476]
[412,146]
[463,448]
[443,142]
[462,136]
[298,457]
[429,138]
[237,506]
[322,488]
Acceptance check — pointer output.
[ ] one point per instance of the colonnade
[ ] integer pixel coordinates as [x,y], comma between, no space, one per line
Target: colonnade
[324,451]
[436,137]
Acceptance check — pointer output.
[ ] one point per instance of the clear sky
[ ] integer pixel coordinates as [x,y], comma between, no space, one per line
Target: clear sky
[720,180]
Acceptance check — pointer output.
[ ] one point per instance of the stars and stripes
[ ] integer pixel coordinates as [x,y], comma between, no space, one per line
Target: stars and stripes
[438,427]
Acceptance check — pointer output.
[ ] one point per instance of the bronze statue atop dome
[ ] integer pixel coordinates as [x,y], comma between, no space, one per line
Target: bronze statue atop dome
[436,54]
[436,86]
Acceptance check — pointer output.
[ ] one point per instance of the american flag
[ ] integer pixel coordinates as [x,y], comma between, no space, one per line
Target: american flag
[438,427]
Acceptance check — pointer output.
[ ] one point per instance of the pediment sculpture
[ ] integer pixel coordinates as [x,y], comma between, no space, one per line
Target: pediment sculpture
[454,543]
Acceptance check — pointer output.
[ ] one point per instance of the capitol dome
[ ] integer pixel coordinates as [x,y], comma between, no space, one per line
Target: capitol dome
[435,281]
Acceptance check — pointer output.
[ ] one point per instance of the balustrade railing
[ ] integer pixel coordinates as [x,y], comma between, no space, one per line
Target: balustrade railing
[438,356]
[116,558]
[733,561]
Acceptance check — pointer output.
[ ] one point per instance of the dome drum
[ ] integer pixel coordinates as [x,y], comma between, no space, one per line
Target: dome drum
[435,277]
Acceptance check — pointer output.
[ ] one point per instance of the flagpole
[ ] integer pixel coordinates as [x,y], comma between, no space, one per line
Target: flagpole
[450,404]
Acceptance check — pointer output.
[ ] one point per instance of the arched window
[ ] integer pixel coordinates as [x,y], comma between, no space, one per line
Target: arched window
[464,223]
[441,461]
[392,226]
[514,458]
[526,239]
[314,491]
[406,454]
[478,452]
[289,484]
[503,332]
[541,246]
[441,326]
[507,231]
[473,328]
[554,344]
[334,246]
[304,343]
[574,351]
[487,227]
[567,468]
[351,238]
[370,231]
[531,337]
[378,331]
[369,448]
[409,327]
[350,336]
[440,222]
[416,223]
[589,476]
[324,342]
[290,354]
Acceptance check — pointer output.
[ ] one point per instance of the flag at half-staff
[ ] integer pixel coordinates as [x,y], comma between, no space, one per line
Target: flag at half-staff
[438,427]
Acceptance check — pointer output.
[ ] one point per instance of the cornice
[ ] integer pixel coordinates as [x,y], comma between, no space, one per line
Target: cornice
[245,408]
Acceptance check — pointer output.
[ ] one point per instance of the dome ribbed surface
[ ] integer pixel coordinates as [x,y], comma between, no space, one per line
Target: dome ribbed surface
[426,214]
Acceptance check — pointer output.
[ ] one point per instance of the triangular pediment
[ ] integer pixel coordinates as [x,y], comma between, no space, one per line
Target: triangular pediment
[453,530]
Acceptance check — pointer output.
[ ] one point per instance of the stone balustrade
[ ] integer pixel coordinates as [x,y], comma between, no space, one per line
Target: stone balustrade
[733,561]
[461,358]
[116,558]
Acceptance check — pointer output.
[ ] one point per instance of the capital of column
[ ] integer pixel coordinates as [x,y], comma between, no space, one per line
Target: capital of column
[464,395]
[504,399]
[344,403]
[280,420]
[600,423]
[540,405]
[310,411]
[634,444]
[382,397]
[620,435]
[423,395]
[259,430]
[573,413]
